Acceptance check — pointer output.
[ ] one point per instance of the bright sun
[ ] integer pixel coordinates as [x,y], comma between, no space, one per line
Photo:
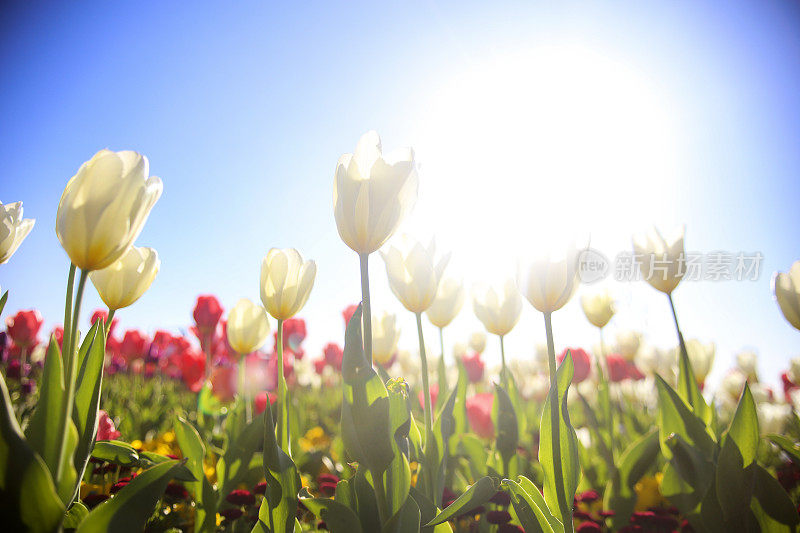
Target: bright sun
[540,146]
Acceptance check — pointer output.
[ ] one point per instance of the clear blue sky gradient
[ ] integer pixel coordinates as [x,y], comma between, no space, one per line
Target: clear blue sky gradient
[243,109]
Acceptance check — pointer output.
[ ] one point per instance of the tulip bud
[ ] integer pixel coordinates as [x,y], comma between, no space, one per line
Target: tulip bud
[477,341]
[372,194]
[786,287]
[701,357]
[497,308]
[104,208]
[598,308]
[447,304]
[549,282]
[286,282]
[13,229]
[385,335]
[247,326]
[414,273]
[127,279]
[660,260]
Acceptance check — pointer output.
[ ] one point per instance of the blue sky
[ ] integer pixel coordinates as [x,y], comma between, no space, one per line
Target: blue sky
[244,108]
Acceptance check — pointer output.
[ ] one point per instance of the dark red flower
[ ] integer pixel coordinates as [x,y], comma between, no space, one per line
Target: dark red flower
[581,362]
[498,517]
[176,491]
[240,497]
[327,478]
[231,513]
[474,367]
[93,500]
[207,312]
[260,488]
[501,498]
[23,328]
[589,527]
[588,496]
[327,488]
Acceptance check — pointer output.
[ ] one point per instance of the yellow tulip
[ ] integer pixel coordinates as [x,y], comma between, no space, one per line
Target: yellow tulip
[414,273]
[104,208]
[447,304]
[13,229]
[497,308]
[127,279]
[247,326]
[598,307]
[385,335]
[286,282]
[661,260]
[786,287]
[549,282]
[372,193]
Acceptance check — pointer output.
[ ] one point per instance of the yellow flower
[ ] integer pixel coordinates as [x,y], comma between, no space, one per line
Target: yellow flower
[648,492]
[786,287]
[286,282]
[247,326]
[104,208]
[13,229]
[598,307]
[314,439]
[126,280]
[414,466]
[372,194]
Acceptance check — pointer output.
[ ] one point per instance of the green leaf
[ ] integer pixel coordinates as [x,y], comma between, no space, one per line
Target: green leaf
[428,511]
[675,416]
[406,520]
[774,500]
[367,504]
[28,497]
[690,463]
[365,415]
[786,444]
[436,452]
[194,451]
[3,300]
[129,510]
[476,495]
[396,478]
[91,358]
[531,516]
[77,512]
[568,441]
[744,427]
[338,517]
[239,454]
[537,497]
[459,409]
[115,451]
[279,506]
[689,390]
[506,425]
[637,459]
[733,485]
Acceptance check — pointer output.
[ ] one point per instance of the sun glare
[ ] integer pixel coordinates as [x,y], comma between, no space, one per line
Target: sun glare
[558,134]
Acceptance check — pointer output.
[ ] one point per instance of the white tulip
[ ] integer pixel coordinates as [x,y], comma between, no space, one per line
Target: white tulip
[747,362]
[549,282]
[126,280]
[286,282]
[447,304]
[701,357]
[477,341]
[598,307]
[385,334]
[786,287]
[13,229]
[498,308]
[660,259]
[414,273]
[628,343]
[247,327]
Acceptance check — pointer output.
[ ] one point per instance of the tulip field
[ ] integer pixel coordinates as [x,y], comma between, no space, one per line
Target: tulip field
[231,425]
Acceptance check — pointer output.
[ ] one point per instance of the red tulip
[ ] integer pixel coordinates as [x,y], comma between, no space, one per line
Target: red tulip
[223,382]
[788,386]
[434,396]
[101,314]
[294,332]
[58,333]
[207,312]
[580,361]
[617,367]
[479,413]
[636,374]
[193,367]
[23,328]
[474,367]
[319,365]
[347,314]
[106,430]
[261,399]
[134,345]
[333,355]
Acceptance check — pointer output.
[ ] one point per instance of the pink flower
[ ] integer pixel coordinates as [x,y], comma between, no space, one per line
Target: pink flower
[333,355]
[105,427]
[100,314]
[207,312]
[580,361]
[347,314]
[474,367]
[434,396]
[617,367]
[261,399]
[479,413]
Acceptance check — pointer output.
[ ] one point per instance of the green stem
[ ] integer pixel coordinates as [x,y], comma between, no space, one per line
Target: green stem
[366,308]
[444,389]
[380,496]
[283,412]
[555,423]
[243,389]
[68,309]
[504,369]
[70,364]
[684,354]
[426,389]
[109,320]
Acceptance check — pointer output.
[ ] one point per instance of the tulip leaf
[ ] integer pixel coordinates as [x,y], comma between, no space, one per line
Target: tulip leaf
[634,462]
[91,358]
[396,478]
[365,416]
[733,486]
[75,515]
[338,517]
[407,520]
[28,497]
[689,390]
[532,517]
[279,506]
[193,449]
[773,499]
[129,510]
[116,452]
[744,427]
[239,454]
[505,422]
[476,495]
[428,511]
[435,455]
[367,504]
[690,463]
[568,441]
[675,416]
[3,300]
